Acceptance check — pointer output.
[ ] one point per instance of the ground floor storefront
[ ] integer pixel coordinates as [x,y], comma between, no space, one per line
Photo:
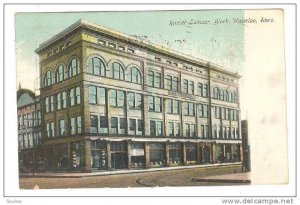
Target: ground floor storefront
[95,155]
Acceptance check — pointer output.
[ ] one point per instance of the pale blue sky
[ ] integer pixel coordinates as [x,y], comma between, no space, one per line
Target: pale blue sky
[221,44]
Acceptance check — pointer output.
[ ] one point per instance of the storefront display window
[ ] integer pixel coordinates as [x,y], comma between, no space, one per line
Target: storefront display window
[137,153]
[191,153]
[98,155]
[175,154]
[157,154]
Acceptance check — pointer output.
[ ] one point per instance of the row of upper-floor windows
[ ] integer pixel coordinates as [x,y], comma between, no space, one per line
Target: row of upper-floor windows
[97,66]
[30,139]
[74,127]
[117,98]
[29,120]
[225,95]
[73,96]
[120,126]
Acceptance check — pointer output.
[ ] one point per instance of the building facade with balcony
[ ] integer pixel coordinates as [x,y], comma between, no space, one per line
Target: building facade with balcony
[111,101]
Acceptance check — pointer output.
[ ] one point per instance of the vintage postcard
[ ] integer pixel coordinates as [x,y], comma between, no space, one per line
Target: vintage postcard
[150,98]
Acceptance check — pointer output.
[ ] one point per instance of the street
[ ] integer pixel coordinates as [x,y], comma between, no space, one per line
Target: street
[183,177]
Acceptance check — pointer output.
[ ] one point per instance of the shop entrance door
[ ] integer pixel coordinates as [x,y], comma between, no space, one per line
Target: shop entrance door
[118,160]
[118,155]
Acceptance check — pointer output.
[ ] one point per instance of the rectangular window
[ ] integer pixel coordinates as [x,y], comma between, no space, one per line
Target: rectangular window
[158,104]
[156,128]
[177,129]
[132,126]
[113,98]
[200,89]
[130,99]
[94,124]
[52,130]
[39,117]
[72,126]
[152,128]
[171,129]
[187,130]
[223,113]
[151,103]
[175,106]
[58,101]
[64,99]
[92,95]
[121,98]
[193,130]
[103,124]
[48,130]
[157,80]
[51,103]
[159,127]
[30,119]
[77,93]
[175,83]
[62,127]
[191,87]
[101,95]
[138,101]
[169,82]
[140,127]
[224,133]
[185,86]
[78,119]
[202,131]
[114,125]
[217,112]
[72,97]
[169,106]
[207,131]
[200,110]
[215,132]
[122,129]
[205,110]
[47,104]
[191,109]
[185,108]
[205,90]
[228,114]
[151,78]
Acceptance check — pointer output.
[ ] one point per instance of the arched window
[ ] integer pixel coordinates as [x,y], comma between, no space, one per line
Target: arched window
[60,73]
[117,71]
[221,95]
[48,78]
[226,95]
[73,67]
[135,75]
[216,93]
[96,66]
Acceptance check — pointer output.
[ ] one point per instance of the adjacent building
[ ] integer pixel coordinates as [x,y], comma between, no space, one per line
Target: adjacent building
[29,127]
[111,101]
[246,146]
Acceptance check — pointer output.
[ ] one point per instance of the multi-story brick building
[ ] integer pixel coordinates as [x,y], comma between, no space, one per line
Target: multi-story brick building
[112,101]
[29,127]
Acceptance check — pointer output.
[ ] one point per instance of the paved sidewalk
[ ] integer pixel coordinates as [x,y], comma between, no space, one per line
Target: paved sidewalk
[117,172]
[243,177]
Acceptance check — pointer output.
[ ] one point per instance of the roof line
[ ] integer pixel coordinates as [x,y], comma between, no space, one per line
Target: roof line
[140,42]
